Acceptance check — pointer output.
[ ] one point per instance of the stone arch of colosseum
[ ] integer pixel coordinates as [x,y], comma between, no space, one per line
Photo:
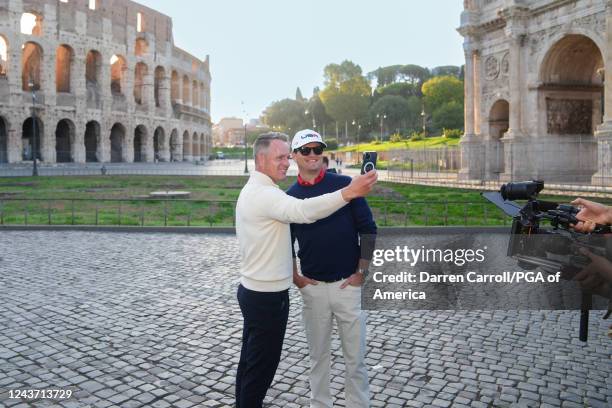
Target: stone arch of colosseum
[118,143]
[102,88]
[3,140]
[31,66]
[64,58]
[32,138]
[141,144]
[93,142]
[65,140]
[187,146]
[176,147]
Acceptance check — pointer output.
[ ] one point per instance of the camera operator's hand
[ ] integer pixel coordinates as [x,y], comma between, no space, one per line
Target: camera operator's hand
[599,265]
[596,276]
[591,213]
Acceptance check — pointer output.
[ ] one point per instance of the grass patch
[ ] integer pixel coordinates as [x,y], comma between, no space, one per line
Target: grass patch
[427,143]
[115,200]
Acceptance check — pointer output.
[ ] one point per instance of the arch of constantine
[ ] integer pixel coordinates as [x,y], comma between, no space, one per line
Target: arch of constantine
[537,102]
[98,81]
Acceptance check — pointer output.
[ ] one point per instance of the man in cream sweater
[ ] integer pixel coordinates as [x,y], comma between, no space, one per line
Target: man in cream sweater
[263,215]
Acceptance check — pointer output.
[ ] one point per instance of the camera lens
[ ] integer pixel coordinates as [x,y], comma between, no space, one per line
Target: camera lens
[521,191]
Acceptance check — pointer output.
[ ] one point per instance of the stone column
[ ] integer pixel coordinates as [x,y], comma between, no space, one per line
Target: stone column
[179,91]
[149,147]
[78,88]
[514,140]
[468,113]
[164,151]
[148,91]
[129,76]
[164,95]
[79,142]
[106,99]
[514,82]
[603,135]
[470,144]
[187,97]
[14,148]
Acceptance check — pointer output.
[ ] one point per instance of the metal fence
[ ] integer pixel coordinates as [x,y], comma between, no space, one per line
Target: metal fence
[441,164]
[187,212]
[564,161]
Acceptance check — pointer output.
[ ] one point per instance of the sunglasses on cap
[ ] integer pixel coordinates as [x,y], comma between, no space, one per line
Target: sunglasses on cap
[305,151]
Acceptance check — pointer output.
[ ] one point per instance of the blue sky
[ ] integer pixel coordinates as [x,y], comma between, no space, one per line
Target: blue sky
[262,50]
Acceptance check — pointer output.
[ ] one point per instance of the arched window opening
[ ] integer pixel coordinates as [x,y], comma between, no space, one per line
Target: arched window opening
[139,77]
[31,66]
[63,65]
[186,91]
[3,56]
[31,24]
[174,87]
[141,48]
[159,77]
[118,68]
[139,22]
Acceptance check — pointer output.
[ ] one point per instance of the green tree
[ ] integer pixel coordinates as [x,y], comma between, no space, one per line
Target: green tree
[394,107]
[410,73]
[287,114]
[414,74]
[446,70]
[448,116]
[402,89]
[385,75]
[346,95]
[335,74]
[440,90]
[316,110]
[413,120]
[298,95]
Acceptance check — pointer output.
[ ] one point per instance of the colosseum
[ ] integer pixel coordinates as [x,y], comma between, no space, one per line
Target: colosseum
[98,81]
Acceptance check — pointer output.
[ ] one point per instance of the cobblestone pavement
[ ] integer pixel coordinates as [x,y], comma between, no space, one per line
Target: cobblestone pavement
[151,320]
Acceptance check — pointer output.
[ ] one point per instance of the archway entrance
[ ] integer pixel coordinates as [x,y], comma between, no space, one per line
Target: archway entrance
[92,140]
[175,146]
[572,78]
[499,118]
[571,96]
[31,132]
[64,141]
[140,134]
[117,141]
[159,142]
[186,146]
[3,141]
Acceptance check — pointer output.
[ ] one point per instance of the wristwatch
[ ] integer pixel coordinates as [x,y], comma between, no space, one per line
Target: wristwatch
[364,271]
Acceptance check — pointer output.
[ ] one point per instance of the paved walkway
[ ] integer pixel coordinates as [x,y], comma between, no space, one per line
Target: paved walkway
[151,320]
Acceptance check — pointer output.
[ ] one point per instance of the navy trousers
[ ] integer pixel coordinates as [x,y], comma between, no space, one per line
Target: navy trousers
[265,320]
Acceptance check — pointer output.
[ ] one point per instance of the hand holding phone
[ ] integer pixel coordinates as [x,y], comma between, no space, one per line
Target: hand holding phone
[368,162]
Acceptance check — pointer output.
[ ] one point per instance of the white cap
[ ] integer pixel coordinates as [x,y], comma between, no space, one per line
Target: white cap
[304,137]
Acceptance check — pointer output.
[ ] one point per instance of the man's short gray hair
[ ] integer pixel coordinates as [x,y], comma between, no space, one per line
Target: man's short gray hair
[263,141]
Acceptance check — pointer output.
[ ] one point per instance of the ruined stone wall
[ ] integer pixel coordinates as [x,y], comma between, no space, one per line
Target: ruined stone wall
[91,70]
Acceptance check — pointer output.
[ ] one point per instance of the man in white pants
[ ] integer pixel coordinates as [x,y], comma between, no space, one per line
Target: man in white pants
[263,215]
[334,255]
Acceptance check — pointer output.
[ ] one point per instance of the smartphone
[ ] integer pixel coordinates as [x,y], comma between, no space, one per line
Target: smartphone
[369,162]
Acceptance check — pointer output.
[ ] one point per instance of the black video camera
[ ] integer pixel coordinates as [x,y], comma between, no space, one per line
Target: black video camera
[542,236]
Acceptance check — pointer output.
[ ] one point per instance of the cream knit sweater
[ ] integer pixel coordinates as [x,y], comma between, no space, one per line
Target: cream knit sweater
[263,215]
